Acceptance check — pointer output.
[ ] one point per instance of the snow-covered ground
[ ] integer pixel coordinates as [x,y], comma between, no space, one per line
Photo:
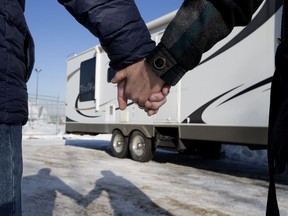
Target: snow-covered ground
[76,175]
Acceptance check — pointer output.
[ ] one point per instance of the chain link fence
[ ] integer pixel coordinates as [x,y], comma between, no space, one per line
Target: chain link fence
[46,116]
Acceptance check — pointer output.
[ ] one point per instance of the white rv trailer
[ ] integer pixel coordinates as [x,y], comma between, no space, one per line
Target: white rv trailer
[223,100]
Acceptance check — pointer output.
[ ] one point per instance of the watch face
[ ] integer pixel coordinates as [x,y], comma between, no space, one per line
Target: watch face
[159,63]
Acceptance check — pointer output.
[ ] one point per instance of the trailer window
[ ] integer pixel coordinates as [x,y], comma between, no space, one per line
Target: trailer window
[87,80]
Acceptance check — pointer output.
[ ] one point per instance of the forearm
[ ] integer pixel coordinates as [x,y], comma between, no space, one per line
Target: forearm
[198,25]
[118,25]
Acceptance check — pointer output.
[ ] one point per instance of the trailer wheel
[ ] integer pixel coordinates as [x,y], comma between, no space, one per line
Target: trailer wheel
[140,147]
[119,145]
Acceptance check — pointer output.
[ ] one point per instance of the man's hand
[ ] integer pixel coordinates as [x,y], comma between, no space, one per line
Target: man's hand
[156,100]
[138,82]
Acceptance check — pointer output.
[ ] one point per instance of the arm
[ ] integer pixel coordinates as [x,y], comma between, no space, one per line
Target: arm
[118,25]
[198,25]
[127,41]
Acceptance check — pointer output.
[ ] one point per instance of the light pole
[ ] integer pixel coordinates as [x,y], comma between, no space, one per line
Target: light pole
[37,72]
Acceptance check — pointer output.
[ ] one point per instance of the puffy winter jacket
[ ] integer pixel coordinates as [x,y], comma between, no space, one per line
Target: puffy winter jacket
[16,62]
[118,25]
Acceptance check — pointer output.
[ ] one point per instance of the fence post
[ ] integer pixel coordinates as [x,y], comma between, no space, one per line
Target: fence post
[57,116]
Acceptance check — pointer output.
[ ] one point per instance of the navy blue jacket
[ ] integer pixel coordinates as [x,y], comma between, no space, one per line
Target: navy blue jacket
[122,34]
[16,62]
[118,25]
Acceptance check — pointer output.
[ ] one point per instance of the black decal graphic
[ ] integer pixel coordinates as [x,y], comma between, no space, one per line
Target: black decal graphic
[196,116]
[269,8]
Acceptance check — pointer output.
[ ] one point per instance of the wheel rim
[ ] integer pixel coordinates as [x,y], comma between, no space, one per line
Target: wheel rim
[118,143]
[138,145]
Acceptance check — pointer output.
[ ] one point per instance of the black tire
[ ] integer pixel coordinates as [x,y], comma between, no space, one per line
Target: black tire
[119,145]
[140,147]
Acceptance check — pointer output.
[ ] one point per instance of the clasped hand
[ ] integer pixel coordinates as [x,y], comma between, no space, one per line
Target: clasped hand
[140,84]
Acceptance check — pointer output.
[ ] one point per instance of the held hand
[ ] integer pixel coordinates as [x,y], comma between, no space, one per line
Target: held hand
[156,100]
[137,82]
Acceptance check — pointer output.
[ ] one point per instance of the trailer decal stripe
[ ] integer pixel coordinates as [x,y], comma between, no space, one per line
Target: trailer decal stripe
[267,11]
[78,110]
[129,104]
[196,116]
[257,85]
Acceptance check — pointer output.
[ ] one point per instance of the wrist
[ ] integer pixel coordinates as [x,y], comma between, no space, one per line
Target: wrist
[164,65]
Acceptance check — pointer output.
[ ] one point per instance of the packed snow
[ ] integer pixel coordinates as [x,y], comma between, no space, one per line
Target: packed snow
[76,175]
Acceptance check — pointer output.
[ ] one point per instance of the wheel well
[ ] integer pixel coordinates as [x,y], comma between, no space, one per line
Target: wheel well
[167,131]
[127,130]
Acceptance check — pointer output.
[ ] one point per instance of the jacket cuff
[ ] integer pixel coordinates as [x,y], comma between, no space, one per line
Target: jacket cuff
[165,66]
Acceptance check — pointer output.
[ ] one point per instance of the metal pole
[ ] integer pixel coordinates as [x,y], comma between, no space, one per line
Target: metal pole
[57,116]
[37,72]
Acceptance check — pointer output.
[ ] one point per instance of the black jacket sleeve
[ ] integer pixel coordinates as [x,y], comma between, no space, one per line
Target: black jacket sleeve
[197,26]
[118,25]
